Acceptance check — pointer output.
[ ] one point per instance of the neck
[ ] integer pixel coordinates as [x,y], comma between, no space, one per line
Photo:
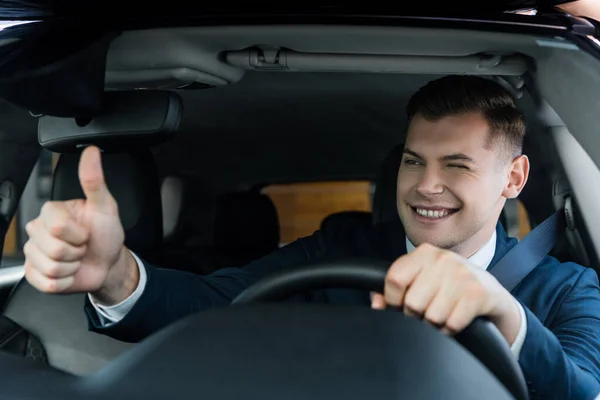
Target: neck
[475,243]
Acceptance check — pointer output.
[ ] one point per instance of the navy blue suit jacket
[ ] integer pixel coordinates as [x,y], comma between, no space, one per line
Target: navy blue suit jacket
[560,356]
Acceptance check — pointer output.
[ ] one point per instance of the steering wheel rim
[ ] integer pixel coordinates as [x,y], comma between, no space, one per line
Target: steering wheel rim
[481,338]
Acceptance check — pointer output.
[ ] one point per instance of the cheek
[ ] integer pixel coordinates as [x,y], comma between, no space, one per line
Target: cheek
[404,184]
[474,193]
[467,190]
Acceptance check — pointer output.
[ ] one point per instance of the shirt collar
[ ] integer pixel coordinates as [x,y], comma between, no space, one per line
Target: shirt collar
[481,259]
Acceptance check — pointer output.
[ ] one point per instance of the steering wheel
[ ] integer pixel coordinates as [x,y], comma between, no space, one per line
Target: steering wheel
[481,338]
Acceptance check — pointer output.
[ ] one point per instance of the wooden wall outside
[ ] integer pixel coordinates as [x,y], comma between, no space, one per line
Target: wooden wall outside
[302,206]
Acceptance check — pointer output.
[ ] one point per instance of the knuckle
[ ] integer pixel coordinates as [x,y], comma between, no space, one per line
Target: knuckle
[58,228]
[30,276]
[412,300]
[411,297]
[53,269]
[426,248]
[446,257]
[30,226]
[475,291]
[456,322]
[28,267]
[454,325]
[57,251]
[27,248]
[462,273]
[397,280]
[113,206]
[434,318]
[47,207]
[49,286]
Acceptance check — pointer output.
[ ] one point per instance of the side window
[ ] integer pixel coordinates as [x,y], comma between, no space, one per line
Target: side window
[516,219]
[523,220]
[36,193]
[301,207]
[11,251]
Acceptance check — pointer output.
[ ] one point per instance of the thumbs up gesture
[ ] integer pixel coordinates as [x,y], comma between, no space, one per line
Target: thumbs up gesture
[77,245]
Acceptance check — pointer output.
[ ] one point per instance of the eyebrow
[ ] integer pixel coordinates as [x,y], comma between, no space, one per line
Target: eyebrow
[449,157]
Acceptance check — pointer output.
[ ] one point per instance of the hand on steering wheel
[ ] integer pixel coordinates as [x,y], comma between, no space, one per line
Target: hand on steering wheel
[448,291]
[480,337]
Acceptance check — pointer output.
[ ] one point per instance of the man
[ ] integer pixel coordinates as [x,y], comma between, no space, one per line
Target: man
[462,160]
[580,8]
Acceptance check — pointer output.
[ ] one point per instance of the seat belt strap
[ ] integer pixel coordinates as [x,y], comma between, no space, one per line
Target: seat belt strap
[528,253]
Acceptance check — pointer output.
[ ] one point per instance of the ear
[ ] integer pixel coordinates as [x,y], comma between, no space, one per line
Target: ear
[518,173]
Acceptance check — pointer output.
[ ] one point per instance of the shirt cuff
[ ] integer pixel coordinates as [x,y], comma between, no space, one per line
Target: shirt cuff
[520,339]
[108,315]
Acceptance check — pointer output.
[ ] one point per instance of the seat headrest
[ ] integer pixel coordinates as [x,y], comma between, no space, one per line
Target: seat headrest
[385,208]
[132,179]
[363,218]
[172,195]
[246,223]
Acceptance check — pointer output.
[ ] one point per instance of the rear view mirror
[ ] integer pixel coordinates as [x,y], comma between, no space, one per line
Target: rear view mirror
[127,119]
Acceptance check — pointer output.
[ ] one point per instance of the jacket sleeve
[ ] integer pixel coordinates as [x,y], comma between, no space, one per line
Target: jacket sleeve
[562,361]
[170,295]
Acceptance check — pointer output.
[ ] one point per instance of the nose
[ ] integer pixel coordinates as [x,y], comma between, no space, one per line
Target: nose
[430,182]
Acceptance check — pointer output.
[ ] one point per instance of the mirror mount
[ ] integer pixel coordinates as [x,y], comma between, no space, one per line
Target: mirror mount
[128,119]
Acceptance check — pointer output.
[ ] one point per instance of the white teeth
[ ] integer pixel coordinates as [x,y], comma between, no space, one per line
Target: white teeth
[431,213]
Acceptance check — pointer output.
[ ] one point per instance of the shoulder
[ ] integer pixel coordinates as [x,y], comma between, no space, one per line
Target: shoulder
[552,282]
[564,273]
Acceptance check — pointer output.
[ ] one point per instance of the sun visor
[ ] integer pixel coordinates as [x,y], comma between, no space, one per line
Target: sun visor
[127,119]
[53,69]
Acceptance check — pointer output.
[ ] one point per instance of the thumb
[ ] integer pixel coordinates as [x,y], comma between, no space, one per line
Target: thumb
[91,178]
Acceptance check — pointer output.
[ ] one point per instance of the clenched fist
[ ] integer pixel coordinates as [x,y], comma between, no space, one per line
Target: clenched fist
[77,245]
[441,287]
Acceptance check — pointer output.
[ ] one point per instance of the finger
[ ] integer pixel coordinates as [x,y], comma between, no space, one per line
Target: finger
[447,296]
[47,266]
[461,315]
[92,180]
[44,283]
[377,301]
[411,313]
[439,309]
[52,247]
[424,288]
[60,223]
[399,277]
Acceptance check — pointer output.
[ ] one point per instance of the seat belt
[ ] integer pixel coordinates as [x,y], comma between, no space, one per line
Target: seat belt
[529,252]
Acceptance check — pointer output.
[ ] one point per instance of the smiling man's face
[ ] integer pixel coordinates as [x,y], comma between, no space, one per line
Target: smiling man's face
[452,184]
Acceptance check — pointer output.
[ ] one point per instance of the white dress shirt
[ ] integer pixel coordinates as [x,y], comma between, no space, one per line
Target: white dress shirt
[481,259]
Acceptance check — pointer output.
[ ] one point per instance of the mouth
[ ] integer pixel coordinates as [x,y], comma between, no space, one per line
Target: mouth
[432,214]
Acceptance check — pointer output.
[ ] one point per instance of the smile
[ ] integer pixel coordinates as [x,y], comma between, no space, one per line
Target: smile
[433,212]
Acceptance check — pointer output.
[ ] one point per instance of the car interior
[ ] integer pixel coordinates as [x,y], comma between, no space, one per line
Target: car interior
[264,105]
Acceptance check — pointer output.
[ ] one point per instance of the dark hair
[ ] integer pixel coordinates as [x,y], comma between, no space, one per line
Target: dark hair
[459,94]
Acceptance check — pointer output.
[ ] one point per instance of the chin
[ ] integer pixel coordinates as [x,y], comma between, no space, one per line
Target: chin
[441,240]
